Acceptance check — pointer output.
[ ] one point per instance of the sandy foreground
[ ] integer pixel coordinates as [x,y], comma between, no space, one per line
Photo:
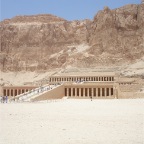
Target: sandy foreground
[73,122]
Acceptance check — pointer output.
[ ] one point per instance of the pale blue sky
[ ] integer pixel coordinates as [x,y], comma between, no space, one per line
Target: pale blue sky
[67,9]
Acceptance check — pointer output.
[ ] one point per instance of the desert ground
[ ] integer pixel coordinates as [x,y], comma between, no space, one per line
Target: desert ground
[71,121]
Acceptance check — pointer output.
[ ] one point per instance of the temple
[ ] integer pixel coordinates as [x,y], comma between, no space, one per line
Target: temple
[96,85]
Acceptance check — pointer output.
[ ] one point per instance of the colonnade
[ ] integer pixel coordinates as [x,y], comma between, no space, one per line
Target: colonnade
[15,91]
[81,78]
[89,92]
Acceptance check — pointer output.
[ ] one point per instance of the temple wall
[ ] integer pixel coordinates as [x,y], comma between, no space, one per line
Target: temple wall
[127,91]
[130,95]
[130,88]
[139,95]
[56,93]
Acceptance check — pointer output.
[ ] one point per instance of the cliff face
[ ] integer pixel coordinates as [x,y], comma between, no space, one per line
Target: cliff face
[28,42]
[44,42]
[118,33]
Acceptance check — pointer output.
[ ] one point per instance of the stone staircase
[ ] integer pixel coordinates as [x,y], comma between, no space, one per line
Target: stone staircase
[34,93]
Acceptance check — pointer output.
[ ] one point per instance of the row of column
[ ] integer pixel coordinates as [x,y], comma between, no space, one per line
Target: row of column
[14,92]
[87,92]
[60,79]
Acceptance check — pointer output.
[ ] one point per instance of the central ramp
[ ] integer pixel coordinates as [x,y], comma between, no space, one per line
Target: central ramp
[56,93]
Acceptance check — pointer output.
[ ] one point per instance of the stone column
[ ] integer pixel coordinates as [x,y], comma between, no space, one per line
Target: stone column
[79,92]
[83,92]
[105,92]
[6,92]
[109,91]
[67,89]
[75,91]
[75,79]
[83,78]
[100,92]
[12,92]
[9,92]
[96,92]
[88,92]
[92,92]
[21,91]
[15,92]
[87,78]
[71,92]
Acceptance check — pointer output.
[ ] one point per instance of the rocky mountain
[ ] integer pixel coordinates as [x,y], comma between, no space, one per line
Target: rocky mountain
[118,33]
[45,42]
[30,42]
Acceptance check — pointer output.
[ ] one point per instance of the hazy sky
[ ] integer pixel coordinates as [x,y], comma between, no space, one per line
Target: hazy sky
[68,9]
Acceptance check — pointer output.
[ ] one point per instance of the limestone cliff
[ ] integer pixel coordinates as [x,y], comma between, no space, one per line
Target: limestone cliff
[44,42]
[118,34]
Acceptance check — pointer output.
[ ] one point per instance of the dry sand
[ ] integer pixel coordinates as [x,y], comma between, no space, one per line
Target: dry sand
[73,122]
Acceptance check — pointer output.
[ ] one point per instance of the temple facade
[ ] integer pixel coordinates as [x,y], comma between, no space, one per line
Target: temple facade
[16,90]
[102,85]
